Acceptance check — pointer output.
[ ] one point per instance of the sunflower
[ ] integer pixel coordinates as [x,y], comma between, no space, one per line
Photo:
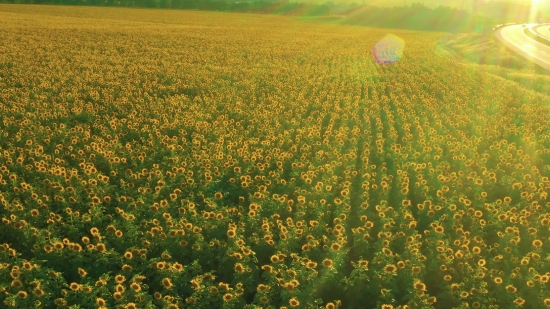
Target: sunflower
[74,286]
[311,264]
[100,302]
[167,283]
[239,268]
[101,247]
[136,287]
[227,297]
[420,286]
[16,283]
[117,295]
[82,272]
[120,288]
[328,263]
[390,268]
[293,302]
[38,292]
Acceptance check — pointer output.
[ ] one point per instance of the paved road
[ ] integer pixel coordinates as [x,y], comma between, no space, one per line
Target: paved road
[514,37]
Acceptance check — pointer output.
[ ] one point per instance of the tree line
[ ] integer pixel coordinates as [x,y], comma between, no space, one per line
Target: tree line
[415,16]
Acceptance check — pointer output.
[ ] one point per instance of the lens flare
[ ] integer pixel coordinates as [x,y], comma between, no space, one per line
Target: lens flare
[389,49]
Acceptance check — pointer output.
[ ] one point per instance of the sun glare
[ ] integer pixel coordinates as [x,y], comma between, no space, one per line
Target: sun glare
[389,49]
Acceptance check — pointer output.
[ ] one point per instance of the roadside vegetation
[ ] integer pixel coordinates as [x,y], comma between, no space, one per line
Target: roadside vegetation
[475,49]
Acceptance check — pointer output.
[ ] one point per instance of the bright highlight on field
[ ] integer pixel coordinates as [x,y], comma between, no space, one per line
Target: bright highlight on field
[389,49]
[189,159]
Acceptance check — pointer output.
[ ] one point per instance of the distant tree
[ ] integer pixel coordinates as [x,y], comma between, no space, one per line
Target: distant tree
[146,3]
[204,5]
[177,4]
[189,4]
[320,10]
[221,5]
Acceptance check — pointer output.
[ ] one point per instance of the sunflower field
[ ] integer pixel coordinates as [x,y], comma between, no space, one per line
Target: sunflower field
[161,159]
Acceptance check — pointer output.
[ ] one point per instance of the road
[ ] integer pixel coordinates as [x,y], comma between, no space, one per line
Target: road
[514,37]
